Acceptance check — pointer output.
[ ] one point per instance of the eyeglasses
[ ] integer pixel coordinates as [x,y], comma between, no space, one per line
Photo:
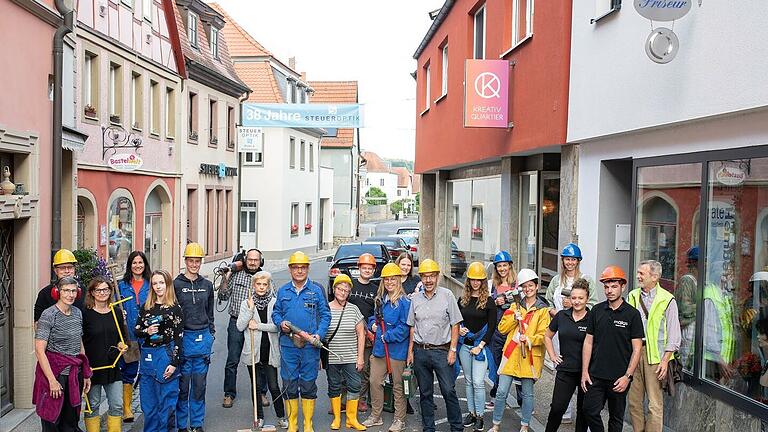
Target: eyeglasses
[101,290]
[65,267]
[68,291]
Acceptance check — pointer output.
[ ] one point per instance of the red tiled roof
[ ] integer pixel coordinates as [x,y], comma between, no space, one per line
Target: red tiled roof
[375,163]
[336,92]
[403,176]
[240,42]
[259,77]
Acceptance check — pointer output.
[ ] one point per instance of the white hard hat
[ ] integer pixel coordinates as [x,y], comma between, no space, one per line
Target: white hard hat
[759,276]
[526,275]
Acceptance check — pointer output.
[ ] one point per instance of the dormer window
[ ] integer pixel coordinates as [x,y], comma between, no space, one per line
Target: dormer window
[215,42]
[192,29]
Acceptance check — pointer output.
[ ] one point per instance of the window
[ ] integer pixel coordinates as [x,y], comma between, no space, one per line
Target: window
[331,132]
[302,95]
[192,214]
[311,157]
[427,85]
[192,116]
[211,222]
[192,29]
[215,42]
[477,222]
[522,20]
[302,155]
[170,112]
[137,101]
[455,225]
[147,9]
[381,182]
[90,85]
[213,122]
[154,108]
[294,219]
[120,220]
[367,181]
[444,77]
[128,3]
[479,33]
[248,215]
[292,151]
[307,218]
[399,192]
[231,131]
[256,157]
[115,93]
[291,91]
[604,8]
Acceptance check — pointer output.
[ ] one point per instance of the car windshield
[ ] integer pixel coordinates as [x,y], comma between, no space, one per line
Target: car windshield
[355,250]
[390,242]
[407,230]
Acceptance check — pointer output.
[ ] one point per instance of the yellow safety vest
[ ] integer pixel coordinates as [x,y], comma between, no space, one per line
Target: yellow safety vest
[653,320]
[725,314]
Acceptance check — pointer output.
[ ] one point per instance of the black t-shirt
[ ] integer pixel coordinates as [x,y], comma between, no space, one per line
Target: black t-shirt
[100,339]
[475,319]
[44,301]
[571,335]
[362,296]
[410,284]
[264,344]
[613,331]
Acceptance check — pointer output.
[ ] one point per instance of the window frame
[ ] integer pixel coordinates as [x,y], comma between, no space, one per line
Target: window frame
[529,9]
[170,112]
[311,157]
[695,379]
[215,42]
[427,86]
[444,71]
[307,218]
[192,33]
[137,101]
[146,11]
[302,155]
[615,6]
[477,215]
[292,152]
[154,107]
[193,107]
[90,92]
[294,215]
[479,10]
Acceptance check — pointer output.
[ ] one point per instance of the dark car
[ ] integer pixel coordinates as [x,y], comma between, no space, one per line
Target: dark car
[395,245]
[345,261]
[458,261]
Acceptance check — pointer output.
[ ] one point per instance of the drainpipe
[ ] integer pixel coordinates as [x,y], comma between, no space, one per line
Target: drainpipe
[240,179]
[58,68]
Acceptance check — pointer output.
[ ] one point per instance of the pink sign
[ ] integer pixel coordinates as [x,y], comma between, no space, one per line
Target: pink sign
[486,93]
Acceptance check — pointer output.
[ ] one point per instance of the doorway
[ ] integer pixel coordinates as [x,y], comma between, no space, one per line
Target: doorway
[153,230]
[6,316]
[539,223]
[249,217]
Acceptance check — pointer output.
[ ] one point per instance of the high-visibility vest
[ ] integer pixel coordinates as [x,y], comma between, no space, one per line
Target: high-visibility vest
[653,320]
[725,315]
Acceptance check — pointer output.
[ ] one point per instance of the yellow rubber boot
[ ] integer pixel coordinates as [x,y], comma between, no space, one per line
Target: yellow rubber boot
[127,399]
[92,424]
[292,406]
[308,409]
[336,408]
[114,424]
[352,422]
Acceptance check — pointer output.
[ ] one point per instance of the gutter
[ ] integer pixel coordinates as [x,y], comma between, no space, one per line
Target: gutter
[436,23]
[240,176]
[56,169]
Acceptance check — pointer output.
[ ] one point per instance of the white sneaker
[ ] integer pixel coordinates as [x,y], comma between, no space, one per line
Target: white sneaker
[397,426]
[371,421]
[282,423]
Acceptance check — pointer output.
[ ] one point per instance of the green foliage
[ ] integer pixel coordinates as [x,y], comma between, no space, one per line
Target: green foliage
[418,201]
[89,264]
[378,195]
[397,206]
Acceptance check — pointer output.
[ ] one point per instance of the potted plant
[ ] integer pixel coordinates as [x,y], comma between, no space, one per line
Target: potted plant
[307,228]
[89,265]
[89,110]
[294,229]
[114,118]
[455,230]
[477,233]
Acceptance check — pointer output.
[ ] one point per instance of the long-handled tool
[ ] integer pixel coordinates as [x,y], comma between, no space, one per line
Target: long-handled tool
[388,379]
[312,341]
[256,399]
[514,295]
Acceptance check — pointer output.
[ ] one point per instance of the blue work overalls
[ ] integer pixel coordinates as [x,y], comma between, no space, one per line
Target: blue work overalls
[158,395]
[196,356]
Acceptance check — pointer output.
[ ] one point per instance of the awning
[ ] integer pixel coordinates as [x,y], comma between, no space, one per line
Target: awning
[72,139]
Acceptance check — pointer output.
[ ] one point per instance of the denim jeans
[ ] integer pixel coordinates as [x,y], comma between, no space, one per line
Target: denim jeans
[426,365]
[114,391]
[235,341]
[505,382]
[341,374]
[474,377]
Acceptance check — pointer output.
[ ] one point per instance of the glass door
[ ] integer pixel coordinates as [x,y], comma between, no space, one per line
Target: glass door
[249,212]
[529,221]
[549,248]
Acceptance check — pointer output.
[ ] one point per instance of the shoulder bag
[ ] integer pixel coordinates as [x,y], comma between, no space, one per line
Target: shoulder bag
[324,352]
[674,367]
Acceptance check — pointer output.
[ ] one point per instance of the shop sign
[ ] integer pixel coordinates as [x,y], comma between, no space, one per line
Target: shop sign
[302,115]
[663,10]
[486,93]
[125,161]
[731,176]
[219,170]
[249,139]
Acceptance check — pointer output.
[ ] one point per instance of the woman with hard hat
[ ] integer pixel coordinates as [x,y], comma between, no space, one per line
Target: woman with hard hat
[409,281]
[390,348]
[346,338]
[476,330]
[501,281]
[524,323]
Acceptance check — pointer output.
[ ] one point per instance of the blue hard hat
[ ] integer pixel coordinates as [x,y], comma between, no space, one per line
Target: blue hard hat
[693,253]
[572,251]
[502,256]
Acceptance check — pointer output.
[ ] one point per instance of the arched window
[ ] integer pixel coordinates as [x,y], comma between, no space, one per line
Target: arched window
[120,220]
[659,234]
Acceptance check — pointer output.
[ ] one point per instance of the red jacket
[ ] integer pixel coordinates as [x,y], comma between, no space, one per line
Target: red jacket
[47,407]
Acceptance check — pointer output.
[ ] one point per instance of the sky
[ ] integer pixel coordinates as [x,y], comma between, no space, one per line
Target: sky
[371,42]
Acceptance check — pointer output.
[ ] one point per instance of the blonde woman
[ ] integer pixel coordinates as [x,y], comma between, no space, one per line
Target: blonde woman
[389,322]
[256,315]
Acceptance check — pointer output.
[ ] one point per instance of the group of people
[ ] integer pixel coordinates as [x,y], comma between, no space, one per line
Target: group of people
[367,335]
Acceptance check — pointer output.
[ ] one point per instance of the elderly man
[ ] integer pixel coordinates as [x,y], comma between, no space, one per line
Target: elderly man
[238,286]
[64,262]
[661,323]
[300,306]
[434,318]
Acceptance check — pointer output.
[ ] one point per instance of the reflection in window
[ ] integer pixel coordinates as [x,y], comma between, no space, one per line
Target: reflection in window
[528,219]
[455,226]
[120,219]
[476,212]
[477,223]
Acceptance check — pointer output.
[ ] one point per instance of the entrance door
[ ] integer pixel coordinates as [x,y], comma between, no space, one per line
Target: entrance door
[6,290]
[550,220]
[249,216]
[153,239]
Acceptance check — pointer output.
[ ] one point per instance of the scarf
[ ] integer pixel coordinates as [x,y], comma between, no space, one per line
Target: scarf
[261,302]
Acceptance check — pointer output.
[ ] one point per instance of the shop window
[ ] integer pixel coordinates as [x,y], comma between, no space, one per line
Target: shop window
[212,221]
[479,33]
[294,219]
[529,211]
[192,210]
[120,219]
[522,20]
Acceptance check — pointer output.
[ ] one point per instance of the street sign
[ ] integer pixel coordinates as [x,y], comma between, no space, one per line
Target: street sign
[302,115]
[249,139]
[486,93]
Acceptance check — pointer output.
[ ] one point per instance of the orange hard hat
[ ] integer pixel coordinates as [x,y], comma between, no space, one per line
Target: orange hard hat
[613,272]
[366,258]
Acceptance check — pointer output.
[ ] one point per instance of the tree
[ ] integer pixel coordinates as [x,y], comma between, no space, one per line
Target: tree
[375,196]
[397,206]
[418,201]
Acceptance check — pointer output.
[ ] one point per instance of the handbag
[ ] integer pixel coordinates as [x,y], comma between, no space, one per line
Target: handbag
[324,352]
[132,353]
[674,367]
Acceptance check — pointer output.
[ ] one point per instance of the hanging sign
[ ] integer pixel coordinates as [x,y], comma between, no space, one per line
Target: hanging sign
[125,161]
[302,115]
[486,93]
[249,139]
[731,176]
[663,10]
[662,45]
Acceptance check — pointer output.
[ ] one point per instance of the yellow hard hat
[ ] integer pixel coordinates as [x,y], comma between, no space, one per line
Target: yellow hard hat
[428,266]
[64,256]
[391,269]
[476,270]
[193,250]
[342,278]
[298,257]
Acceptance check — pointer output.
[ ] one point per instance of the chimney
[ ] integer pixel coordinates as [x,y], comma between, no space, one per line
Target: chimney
[292,63]
[304,76]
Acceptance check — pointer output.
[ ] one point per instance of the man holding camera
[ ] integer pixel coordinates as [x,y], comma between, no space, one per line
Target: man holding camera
[238,277]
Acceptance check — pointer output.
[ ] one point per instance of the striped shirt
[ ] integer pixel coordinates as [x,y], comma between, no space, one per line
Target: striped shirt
[344,343]
[64,333]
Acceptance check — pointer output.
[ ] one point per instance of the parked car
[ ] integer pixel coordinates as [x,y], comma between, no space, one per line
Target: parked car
[345,261]
[408,230]
[412,241]
[395,245]
[458,261]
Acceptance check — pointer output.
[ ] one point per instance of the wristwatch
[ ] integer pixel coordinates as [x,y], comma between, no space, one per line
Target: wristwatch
[453,349]
[629,376]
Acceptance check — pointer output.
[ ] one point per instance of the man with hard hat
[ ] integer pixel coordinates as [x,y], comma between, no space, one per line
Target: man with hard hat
[362,296]
[300,306]
[195,296]
[64,262]
[434,318]
[610,354]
